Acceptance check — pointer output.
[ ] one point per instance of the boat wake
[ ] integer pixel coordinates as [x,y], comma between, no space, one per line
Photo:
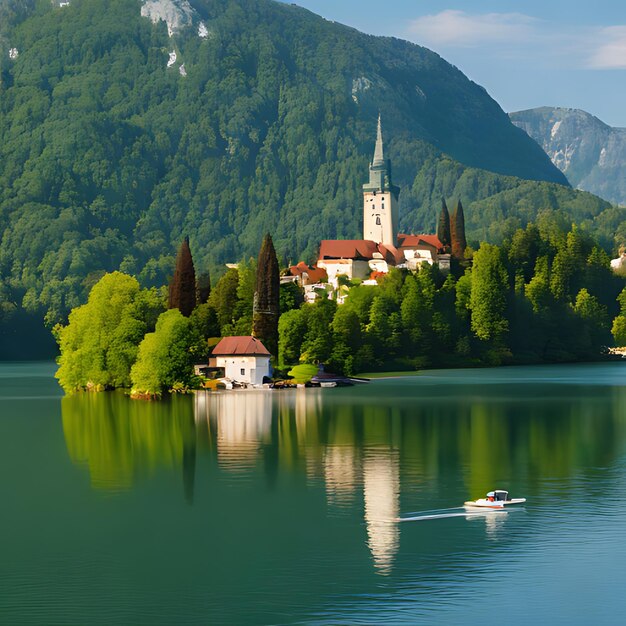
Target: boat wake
[459,511]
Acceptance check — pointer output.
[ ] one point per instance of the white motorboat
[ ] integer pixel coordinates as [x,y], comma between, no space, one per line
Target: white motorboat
[497,499]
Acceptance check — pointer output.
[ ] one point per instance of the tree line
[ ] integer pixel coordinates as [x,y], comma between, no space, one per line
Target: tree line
[546,295]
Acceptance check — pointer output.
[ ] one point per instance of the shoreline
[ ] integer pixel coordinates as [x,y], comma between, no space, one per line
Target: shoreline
[613,357]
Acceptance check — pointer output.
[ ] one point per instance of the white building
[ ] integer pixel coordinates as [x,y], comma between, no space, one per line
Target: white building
[244,359]
[619,264]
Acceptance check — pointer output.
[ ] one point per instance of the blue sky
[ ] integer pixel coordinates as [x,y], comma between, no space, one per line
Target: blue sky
[526,54]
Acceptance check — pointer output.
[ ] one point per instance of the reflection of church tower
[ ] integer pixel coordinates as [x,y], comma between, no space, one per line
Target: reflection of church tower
[381,486]
[380,199]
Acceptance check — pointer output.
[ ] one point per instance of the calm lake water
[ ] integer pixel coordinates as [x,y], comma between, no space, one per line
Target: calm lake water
[281,507]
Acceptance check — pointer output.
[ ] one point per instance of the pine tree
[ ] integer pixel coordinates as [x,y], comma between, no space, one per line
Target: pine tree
[267,297]
[182,294]
[457,223]
[443,228]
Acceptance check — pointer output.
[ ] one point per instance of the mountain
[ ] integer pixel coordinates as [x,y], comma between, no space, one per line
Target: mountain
[589,152]
[126,125]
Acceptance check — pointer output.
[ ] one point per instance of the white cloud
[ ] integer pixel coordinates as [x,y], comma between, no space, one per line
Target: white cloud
[460,29]
[522,37]
[610,49]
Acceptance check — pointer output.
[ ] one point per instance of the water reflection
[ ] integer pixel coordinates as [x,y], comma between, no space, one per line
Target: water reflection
[370,451]
[381,487]
[119,439]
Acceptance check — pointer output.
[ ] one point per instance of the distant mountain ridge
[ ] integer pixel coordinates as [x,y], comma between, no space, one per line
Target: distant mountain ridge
[589,152]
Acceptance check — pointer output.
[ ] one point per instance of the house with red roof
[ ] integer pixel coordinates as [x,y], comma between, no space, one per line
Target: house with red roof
[244,359]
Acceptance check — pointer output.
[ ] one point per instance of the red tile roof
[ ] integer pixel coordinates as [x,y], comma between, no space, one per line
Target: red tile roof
[240,346]
[315,274]
[391,254]
[413,241]
[347,249]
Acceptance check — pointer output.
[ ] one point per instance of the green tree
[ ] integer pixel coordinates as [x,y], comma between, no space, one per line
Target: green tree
[166,356]
[347,340]
[223,299]
[490,286]
[203,288]
[538,289]
[619,323]
[291,297]
[593,332]
[318,343]
[99,344]
[619,330]
[205,322]
[292,328]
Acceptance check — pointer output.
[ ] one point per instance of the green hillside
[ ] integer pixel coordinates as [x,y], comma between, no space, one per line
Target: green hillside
[108,156]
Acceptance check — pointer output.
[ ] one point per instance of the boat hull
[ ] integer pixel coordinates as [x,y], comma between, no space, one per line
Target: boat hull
[483,503]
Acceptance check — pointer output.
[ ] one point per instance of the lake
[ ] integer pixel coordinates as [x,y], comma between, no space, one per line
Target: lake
[268,507]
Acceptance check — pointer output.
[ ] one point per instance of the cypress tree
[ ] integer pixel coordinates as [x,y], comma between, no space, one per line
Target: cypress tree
[267,297]
[443,228]
[457,223]
[182,295]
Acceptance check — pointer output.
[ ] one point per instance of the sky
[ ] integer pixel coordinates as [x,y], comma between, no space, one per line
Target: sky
[526,54]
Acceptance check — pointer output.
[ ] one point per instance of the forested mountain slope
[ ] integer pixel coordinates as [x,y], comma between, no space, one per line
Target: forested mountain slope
[118,137]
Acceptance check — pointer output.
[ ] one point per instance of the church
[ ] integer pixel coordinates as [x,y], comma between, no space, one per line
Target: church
[382,245]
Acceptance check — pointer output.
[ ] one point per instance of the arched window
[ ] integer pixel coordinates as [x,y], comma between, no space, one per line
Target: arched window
[378,220]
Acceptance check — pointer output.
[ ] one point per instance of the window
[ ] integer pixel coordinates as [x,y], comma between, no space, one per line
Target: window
[378,220]
[243,371]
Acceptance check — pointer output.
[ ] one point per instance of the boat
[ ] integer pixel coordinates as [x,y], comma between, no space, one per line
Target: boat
[329,383]
[497,499]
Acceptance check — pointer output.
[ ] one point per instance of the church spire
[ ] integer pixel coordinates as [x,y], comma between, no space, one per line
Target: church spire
[379,158]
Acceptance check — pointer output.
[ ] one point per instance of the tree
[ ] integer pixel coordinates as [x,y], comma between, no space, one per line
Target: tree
[538,289]
[490,286]
[619,323]
[291,297]
[443,227]
[292,327]
[457,231]
[99,344]
[619,330]
[203,288]
[267,297]
[182,295]
[165,358]
[318,341]
[223,299]
[347,340]
[205,323]
[594,328]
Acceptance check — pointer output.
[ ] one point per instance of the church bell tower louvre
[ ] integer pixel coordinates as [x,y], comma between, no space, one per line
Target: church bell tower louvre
[380,199]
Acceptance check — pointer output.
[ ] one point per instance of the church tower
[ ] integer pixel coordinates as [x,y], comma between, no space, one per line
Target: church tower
[380,199]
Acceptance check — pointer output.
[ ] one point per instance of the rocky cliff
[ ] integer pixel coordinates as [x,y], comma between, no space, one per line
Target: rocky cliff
[589,152]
